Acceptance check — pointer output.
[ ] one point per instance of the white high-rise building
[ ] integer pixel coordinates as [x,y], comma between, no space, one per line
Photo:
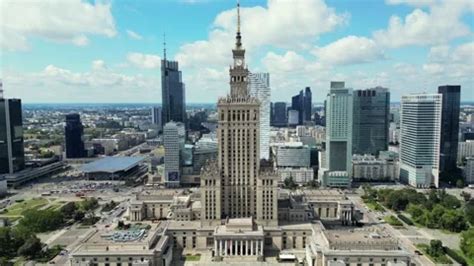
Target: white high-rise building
[469,170]
[259,87]
[465,149]
[420,127]
[173,140]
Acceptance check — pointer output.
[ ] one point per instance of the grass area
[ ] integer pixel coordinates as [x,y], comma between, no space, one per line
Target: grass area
[392,220]
[375,206]
[470,261]
[437,260]
[19,208]
[55,205]
[20,261]
[195,257]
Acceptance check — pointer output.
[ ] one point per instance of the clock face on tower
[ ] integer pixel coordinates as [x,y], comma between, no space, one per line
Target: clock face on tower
[239,62]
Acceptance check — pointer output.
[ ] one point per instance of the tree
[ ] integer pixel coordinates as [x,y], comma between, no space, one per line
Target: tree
[78,216]
[453,221]
[41,220]
[467,243]
[289,183]
[469,211]
[466,196]
[69,209]
[460,183]
[89,204]
[436,248]
[31,248]
[312,184]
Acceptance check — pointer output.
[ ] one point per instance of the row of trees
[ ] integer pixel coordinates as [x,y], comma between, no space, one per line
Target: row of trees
[438,209]
[467,243]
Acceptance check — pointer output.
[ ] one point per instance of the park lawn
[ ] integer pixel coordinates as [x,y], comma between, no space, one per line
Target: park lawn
[55,205]
[392,220]
[19,208]
[196,257]
[20,261]
[375,206]
[437,260]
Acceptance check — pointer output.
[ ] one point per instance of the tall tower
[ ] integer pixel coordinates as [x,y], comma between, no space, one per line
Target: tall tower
[449,126]
[12,157]
[73,133]
[371,121]
[420,124]
[173,91]
[260,88]
[234,186]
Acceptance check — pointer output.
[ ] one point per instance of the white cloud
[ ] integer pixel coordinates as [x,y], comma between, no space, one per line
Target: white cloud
[349,50]
[99,84]
[67,21]
[134,35]
[287,24]
[140,60]
[438,26]
[417,3]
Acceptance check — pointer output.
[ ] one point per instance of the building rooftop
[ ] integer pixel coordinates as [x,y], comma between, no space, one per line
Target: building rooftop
[111,165]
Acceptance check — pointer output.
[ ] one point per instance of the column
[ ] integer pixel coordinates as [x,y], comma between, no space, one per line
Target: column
[251,248]
[247,247]
[216,251]
[241,247]
[261,247]
[220,247]
[225,251]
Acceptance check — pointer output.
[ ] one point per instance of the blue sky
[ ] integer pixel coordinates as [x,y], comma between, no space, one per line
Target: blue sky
[109,51]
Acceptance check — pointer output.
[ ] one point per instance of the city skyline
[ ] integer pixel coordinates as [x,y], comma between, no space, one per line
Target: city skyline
[113,55]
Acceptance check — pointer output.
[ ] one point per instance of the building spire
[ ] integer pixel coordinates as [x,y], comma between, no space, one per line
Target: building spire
[164,46]
[238,38]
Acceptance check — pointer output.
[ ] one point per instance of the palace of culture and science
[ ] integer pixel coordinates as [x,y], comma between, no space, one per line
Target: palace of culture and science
[239,215]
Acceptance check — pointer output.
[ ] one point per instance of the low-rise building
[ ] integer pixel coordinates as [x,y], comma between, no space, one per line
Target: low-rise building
[291,154]
[300,175]
[365,246]
[139,245]
[369,168]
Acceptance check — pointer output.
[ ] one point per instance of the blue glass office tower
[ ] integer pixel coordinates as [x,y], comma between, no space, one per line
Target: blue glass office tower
[172,93]
[12,157]
[449,126]
[302,103]
[73,133]
[279,114]
[371,110]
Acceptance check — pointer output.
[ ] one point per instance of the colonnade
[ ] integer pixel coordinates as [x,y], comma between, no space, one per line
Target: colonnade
[238,247]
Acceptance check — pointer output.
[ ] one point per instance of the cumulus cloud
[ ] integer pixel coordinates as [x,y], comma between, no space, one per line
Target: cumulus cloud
[148,61]
[287,24]
[68,21]
[99,84]
[349,50]
[133,35]
[438,26]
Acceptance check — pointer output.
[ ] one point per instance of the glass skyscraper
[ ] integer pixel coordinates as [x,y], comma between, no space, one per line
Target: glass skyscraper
[371,111]
[302,103]
[73,133]
[449,126]
[172,93]
[259,84]
[280,115]
[420,125]
[12,157]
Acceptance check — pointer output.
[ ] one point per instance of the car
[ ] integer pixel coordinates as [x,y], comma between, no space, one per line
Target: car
[417,252]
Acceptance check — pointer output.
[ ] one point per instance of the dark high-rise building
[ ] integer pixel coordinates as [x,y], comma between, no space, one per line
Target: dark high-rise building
[280,118]
[449,126]
[302,103]
[12,157]
[307,105]
[156,114]
[371,121]
[73,133]
[172,92]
